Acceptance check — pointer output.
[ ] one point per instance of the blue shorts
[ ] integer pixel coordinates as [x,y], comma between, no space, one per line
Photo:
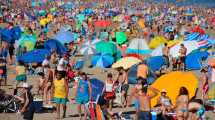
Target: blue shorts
[136,104]
[60,100]
[142,115]
[82,100]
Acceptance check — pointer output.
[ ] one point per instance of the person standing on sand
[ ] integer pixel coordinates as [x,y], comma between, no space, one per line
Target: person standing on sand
[145,102]
[83,93]
[60,90]
[165,51]
[182,104]
[182,57]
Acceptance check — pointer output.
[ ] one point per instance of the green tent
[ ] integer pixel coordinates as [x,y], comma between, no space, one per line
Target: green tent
[120,37]
[106,47]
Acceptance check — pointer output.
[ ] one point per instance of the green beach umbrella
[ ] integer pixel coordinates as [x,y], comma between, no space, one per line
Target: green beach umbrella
[120,37]
[106,47]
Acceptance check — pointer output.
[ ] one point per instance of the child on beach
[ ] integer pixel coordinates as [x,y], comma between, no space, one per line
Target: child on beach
[60,89]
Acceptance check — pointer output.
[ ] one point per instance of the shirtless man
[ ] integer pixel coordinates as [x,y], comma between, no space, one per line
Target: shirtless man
[182,57]
[123,81]
[145,102]
[182,104]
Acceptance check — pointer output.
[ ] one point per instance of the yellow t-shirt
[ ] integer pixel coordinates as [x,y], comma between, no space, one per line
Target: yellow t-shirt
[20,70]
[60,88]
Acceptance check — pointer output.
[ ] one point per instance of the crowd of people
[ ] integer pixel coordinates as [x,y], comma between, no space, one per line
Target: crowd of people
[57,75]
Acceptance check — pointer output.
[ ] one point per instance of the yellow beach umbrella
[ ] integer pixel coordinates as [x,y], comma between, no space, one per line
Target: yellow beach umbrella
[126,62]
[172,82]
[173,42]
[157,41]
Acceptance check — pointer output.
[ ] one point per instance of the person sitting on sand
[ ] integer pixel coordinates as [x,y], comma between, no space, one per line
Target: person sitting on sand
[145,102]
[196,109]
[182,104]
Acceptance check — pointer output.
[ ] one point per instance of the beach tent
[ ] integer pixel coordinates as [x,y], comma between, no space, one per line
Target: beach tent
[52,44]
[34,56]
[193,60]
[190,45]
[132,75]
[106,47]
[126,62]
[157,41]
[173,81]
[102,60]
[65,37]
[155,63]
[138,46]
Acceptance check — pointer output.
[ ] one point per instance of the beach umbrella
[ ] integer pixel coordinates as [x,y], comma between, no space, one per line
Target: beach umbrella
[155,63]
[52,44]
[34,56]
[193,60]
[121,37]
[126,62]
[16,32]
[97,88]
[106,47]
[132,75]
[190,45]
[6,35]
[198,29]
[102,23]
[157,41]
[102,60]
[211,92]
[158,51]
[88,11]
[192,36]
[138,46]
[88,48]
[27,41]
[65,37]
[172,82]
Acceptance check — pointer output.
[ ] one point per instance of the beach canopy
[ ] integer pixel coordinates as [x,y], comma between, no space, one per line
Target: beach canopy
[157,41]
[190,45]
[35,56]
[102,60]
[126,62]
[102,23]
[121,37]
[173,81]
[138,46]
[193,60]
[65,37]
[106,47]
[52,44]
[211,92]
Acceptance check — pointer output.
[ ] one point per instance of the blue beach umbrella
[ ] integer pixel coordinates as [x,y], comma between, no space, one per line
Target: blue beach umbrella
[65,37]
[97,88]
[155,63]
[6,35]
[16,32]
[102,60]
[55,45]
[34,56]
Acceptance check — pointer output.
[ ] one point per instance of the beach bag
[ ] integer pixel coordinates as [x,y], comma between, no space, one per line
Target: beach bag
[109,95]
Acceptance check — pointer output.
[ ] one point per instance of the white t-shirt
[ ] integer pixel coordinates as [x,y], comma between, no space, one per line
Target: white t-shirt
[62,65]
